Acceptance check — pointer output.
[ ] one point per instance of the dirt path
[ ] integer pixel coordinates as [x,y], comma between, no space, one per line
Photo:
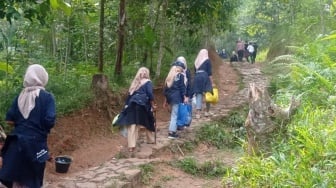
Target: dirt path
[87,137]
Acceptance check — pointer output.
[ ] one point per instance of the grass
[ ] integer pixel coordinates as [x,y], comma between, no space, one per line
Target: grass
[209,169]
[226,132]
[146,173]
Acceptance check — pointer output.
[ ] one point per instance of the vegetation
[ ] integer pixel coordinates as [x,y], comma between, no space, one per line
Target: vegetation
[296,37]
[225,133]
[208,169]
[301,156]
[146,173]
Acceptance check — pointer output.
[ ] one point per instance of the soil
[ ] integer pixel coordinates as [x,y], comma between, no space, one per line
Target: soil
[87,135]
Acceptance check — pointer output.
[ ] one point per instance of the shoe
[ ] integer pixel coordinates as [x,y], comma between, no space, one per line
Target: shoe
[198,116]
[180,128]
[172,135]
[206,114]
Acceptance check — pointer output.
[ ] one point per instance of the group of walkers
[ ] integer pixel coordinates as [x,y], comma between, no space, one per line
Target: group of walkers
[247,50]
[179,88]
[33,115]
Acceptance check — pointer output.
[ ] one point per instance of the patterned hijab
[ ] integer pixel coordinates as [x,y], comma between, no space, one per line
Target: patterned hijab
[35,79]
[141,77]
[201,57]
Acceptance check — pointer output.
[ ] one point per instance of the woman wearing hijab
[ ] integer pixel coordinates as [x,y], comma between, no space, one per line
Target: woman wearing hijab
[32,114]
[189,94]
[175,93]
[138,109]
[202,80]
[187,74]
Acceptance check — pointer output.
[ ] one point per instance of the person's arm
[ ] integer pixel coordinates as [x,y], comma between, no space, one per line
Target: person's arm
[209,71]
[11,113]
[50,117]
[182,88]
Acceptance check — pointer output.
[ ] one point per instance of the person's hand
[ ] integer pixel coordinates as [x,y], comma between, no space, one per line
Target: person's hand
[186,100]
[154,107]
[165,104]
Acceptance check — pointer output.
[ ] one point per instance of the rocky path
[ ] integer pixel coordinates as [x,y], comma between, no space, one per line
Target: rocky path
[232,81]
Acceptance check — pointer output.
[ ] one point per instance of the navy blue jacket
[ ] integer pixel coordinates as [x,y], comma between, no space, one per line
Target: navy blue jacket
[175,94]
[25,150]
[143,96]
[202,82]
[189,91]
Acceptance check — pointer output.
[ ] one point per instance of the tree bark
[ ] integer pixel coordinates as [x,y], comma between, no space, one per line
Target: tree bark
[259,123]
[101,38]
[161,46]
[121,36]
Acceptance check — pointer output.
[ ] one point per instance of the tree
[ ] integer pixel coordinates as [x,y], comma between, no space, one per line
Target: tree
[121,36]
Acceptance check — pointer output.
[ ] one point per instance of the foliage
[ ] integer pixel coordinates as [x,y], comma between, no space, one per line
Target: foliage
[207,169]
[72,89]
[146,173]
[225,133]
[302,156]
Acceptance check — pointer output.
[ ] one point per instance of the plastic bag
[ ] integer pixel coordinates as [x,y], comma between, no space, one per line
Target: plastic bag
[212,97]
[184,115]
[115,119]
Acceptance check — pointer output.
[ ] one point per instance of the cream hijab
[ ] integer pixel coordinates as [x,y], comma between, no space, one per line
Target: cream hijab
[174,70]
[201,57]
[35,79]
[141,77]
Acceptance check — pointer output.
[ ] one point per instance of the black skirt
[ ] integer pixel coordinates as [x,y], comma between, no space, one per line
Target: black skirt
[136,114]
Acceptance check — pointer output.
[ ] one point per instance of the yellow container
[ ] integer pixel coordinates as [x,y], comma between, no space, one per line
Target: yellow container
[212,98]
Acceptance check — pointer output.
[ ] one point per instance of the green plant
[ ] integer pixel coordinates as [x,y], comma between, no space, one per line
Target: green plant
[146,173]
[206,169]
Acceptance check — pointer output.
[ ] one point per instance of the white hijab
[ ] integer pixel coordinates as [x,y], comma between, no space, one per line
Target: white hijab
[35,79]
[201,57]
[184,61]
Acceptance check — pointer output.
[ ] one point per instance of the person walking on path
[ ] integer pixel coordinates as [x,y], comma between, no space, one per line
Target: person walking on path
[33,115]
[250,49]
[254,54]
[187,73]
[139,108]
[240,48]
[202,80]
[188,82]
[175,92]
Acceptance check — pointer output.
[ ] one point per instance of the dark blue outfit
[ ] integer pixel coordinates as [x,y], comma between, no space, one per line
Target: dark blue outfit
[138,108]
[189,91]
[25,151]
[202,82]
[175,94]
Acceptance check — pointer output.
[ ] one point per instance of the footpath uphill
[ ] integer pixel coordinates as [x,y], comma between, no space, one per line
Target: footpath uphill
[121,172]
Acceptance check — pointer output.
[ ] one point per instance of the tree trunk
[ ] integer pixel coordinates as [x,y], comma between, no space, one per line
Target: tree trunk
[101,38]
[259,123]
[103,95]
[100,86]
[121,36]
[161,47]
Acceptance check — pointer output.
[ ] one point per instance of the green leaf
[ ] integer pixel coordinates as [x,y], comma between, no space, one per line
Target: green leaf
[54,4]
[7,68]
[329,37]
[66,8]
